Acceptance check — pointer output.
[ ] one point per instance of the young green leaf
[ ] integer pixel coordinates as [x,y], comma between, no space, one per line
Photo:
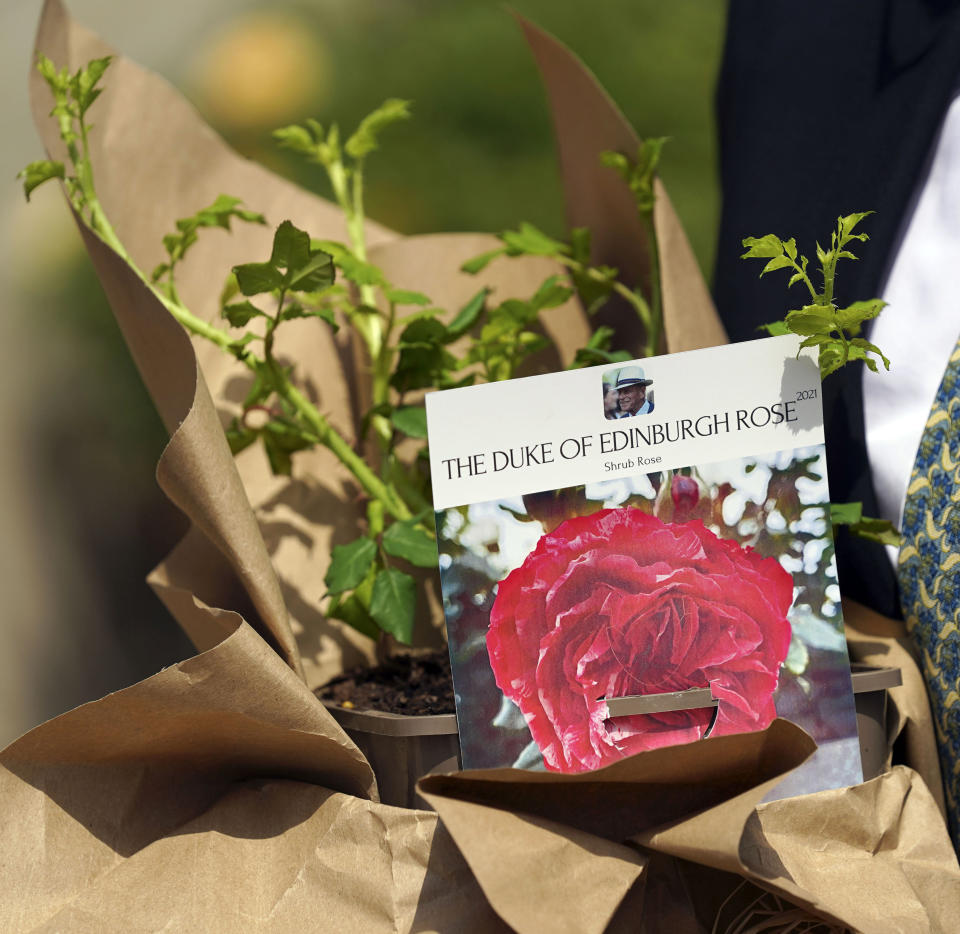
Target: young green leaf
[405,297]
[597,350]
[468,315]
[768,246]
[405,540]
[280,440]
[241,313]
[358,271]
[411,420]
[364,139]
[349,565]
[846,513]
[778,262]
[551,294]
[424,331]
[478,263]
[531,241]
[239,436]
[257,278]
[291,247]
[36,173]
[316,273]
[393,602]
[353,613]
[851,317]
[293,310]
[84,83]
[811,319]
[295,137]
[877,530]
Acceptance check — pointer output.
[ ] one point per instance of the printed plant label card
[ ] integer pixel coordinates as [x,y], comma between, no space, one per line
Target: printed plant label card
[640,555]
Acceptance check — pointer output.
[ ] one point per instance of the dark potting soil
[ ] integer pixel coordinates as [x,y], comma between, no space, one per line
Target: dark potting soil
[407,684]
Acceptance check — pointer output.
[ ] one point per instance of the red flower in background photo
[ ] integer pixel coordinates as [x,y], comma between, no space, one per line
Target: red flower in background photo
[620,603]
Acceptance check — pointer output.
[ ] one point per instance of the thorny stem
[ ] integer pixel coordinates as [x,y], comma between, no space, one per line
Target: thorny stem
[650,317]
[324,432]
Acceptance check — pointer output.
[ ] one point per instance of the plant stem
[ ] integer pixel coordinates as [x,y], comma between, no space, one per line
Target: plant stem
[330,438]
[654,324]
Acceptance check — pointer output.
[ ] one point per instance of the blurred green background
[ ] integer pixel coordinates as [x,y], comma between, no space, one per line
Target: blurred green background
[83,519]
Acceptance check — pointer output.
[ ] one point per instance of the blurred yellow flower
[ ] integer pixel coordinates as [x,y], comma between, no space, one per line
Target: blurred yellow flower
[262,69]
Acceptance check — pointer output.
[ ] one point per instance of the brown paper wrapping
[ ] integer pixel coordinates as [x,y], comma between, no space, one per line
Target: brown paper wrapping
[218,795]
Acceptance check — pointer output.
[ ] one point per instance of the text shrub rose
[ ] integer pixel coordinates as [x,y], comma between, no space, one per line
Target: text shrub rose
[620,603]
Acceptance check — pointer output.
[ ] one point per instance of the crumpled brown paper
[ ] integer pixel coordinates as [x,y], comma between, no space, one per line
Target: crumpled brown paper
[220,795]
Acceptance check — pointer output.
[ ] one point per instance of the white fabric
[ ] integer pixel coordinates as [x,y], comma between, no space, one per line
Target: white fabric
[919,328]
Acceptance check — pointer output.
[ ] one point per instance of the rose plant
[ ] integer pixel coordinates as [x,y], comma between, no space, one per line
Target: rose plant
[405,343]
[619,603]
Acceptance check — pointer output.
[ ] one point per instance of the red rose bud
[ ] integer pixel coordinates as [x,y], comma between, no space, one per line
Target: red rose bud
[620,603]
[685,493]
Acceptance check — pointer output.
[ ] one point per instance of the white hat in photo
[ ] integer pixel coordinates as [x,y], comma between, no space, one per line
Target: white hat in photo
[632,376]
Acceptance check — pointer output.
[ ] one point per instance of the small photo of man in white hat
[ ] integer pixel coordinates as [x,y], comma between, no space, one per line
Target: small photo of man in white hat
[630,383]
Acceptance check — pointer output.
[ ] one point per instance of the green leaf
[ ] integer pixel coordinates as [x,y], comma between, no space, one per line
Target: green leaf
[851,317]
[359,271]
[597,350]
[36,173]
[364,139]
[467,316]
[866,347]
[551,294]
[353,613]
[55,79]
[775,328]
[257,278]
[393,602]
[291,247]
[238,347]
[349,565]
[766,246]
[405,540]
[846,513]
[846,225]
[580,239]
[478,263]
[811,319]
[427,331]
[831,359]
[239,437]
[297,138]
[638,175]
[616,161]
[778,262]
[242,313]
[877,530]
[421,366]
[531,241]
[281,439]
[403,297]
[411,420]
[296,310]
[85,88]
[316,274]
[790,248]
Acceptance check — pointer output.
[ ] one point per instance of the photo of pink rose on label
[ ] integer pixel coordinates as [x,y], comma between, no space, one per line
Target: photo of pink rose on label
[610,588]
[705,597]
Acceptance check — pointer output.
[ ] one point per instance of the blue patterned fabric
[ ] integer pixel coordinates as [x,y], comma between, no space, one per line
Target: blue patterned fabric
[929,573]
